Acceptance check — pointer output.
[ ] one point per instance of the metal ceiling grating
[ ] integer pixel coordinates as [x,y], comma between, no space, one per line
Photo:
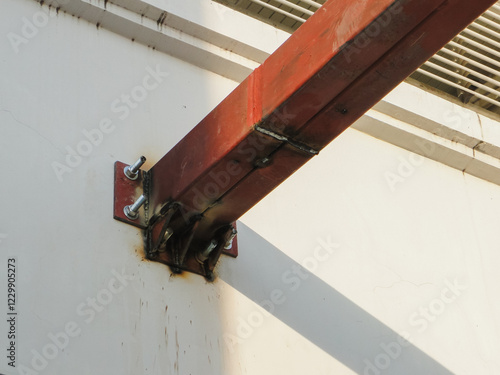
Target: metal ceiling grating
[287,15]
[467,68]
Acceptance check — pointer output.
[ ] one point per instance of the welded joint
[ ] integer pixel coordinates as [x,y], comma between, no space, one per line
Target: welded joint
[166,233]
[282,138]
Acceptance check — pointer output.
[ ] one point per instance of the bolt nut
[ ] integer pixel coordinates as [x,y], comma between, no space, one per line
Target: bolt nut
[132,211]
[132,171]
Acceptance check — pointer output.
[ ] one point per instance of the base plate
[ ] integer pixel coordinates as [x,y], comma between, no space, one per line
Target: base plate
[126,192]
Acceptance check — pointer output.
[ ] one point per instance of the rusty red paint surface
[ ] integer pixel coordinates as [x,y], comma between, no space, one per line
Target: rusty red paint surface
[381,77]
[335,67]
[330,51]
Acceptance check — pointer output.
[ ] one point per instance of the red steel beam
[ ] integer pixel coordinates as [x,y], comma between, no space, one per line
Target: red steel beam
[335,67]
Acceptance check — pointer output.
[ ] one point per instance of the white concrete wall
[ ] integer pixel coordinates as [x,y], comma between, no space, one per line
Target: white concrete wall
[366,245]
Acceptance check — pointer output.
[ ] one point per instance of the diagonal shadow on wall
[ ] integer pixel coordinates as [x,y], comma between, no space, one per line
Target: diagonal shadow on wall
[321,314]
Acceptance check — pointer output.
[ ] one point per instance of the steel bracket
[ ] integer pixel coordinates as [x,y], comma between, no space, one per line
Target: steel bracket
[283,114]
[176,244]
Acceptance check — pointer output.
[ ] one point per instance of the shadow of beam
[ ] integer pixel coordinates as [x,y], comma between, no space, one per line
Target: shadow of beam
[321,314]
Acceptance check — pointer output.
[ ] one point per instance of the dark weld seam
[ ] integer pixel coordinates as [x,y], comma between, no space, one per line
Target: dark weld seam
[285,139]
